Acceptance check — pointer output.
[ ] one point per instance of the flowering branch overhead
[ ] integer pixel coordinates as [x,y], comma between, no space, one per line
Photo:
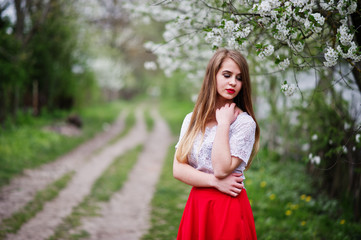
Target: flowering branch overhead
[272,30]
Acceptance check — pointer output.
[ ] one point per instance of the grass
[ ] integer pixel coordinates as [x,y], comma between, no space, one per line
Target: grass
[167,204]
[285,204]
[148,120]
[24,144]
[110,182]
[171,195]
[129,123]
[174,112]
[13,223]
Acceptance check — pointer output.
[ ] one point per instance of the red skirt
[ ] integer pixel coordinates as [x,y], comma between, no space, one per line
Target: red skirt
[210,214]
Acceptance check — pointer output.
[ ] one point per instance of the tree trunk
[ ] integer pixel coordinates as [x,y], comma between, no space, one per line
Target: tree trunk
[35,98]
[356,21]
[20,20]
[356,72]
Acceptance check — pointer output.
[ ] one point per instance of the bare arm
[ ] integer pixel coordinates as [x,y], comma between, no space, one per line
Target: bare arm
[231,185]
[222,161]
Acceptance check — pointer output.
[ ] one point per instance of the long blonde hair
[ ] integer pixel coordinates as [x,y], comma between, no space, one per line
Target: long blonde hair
[205,107]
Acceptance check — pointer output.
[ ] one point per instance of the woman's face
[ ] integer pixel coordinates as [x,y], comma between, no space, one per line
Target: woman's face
[229,81]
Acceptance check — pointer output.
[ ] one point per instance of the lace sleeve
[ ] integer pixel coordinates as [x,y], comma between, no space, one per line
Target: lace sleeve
[184,128]
[242,137]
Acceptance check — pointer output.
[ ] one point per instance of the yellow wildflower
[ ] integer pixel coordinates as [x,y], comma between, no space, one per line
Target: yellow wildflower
[272,196]
[342,222]
[288,212]
[294,206]
[263,184]
[303,196]
[303,223]
[308,198]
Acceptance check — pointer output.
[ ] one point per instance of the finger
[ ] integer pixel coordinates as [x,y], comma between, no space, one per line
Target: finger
[236,174]
[234,194]
[239,185]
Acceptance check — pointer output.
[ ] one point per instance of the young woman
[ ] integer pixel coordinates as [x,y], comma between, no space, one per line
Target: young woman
[217,143]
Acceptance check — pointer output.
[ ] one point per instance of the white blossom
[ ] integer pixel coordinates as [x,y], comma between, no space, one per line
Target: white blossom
[346,6]
[344,149]
[305,147]
[243,33]
[319,18]
[217,41]
[266,51]
[229,26]
[314,137]
[150,65]
[351,52]
[358,138]
[314,159]
[209,37]
[331,57]
[345,36]
[288,89]
[284,64]
[327,5]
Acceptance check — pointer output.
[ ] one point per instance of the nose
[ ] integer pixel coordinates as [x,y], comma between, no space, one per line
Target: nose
[232,81]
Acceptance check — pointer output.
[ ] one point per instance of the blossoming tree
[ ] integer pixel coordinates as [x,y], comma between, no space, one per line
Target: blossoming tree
[278,36]
[301,34]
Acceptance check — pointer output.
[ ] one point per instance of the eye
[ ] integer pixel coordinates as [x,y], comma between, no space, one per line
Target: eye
[226,75]
[239,78]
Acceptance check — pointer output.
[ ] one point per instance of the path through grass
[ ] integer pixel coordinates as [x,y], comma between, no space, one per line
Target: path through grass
[110,182]
[25,144]
[14,223]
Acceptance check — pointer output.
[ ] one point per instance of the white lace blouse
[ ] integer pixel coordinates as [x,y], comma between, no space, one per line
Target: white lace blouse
[241,140]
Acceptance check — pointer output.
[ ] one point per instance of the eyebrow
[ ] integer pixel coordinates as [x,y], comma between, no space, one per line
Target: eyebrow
[228,71]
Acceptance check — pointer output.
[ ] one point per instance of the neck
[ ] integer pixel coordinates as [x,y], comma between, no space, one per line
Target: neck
[221,102]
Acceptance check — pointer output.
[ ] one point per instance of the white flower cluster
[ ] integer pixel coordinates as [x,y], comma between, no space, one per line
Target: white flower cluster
[150,65]
[266,51]
[230,34]
[288,89]
[314,159]
[358,138]
[347,48]
[331,57]
[314,137]
[327,5]
[346,6]
[345,37]
[284,64]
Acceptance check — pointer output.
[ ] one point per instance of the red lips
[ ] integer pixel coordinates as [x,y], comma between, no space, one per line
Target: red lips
[231,91]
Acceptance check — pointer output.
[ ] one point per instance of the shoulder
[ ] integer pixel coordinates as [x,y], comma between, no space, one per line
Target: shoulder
[188,116]
[187,119]
[243,120]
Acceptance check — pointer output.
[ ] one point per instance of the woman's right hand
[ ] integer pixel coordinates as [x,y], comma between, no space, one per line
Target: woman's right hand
[231,185]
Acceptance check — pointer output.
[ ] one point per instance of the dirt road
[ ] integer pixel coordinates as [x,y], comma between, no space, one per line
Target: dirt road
[126,215]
